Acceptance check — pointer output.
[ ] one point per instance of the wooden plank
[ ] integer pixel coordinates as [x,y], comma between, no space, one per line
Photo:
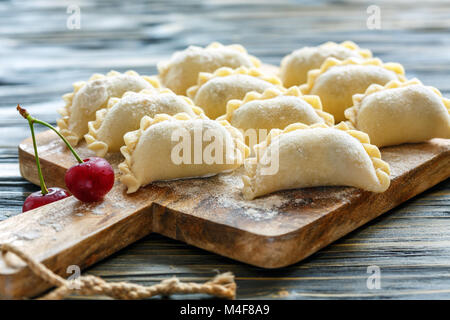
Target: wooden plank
[270,232]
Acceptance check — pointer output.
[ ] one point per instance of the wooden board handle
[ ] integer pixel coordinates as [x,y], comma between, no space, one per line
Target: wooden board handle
[67,233]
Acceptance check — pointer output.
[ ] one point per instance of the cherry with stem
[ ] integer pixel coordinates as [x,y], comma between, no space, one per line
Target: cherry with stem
[45,195]
[89,180]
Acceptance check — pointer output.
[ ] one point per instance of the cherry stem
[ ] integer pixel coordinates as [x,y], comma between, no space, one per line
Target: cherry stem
[44,189]
[24,113]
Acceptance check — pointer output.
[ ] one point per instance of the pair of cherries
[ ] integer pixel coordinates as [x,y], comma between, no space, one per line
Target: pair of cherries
[88,181]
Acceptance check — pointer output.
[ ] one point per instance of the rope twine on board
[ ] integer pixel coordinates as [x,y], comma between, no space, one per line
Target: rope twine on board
[221,286]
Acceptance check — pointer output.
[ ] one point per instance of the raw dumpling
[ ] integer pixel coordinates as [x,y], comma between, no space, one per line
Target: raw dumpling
[181,71]
[295,66]
[124,114]
[88,97]
[337,81]
[257,114]
[303,156]
[172,147]
[214,90]
[400,113]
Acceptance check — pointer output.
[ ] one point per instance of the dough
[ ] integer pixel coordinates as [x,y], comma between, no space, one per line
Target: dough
[181,71]
[172,147]
[124,114]
[400,113]
[303,156]
[337,81]
[295,66]
[257,113]
[214,90]
[88,97]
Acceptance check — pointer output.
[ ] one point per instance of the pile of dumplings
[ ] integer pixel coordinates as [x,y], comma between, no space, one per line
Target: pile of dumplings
[326,111]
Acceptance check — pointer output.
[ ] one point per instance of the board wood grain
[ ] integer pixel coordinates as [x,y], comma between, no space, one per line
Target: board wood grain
[270,232]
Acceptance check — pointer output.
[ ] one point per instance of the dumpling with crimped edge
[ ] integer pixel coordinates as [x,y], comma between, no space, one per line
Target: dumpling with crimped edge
[295,66]
[399,113]
[181,71]
[274,109]
[174,147]
[337,81]
[124,114]
[214,90]
[88,97]
[303,156]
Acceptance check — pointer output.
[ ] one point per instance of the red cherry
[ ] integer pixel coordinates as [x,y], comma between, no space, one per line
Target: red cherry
[37,199]
[91,180]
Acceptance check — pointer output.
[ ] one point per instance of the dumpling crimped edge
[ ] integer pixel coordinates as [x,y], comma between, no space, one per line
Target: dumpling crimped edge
[397,68]
[364,53]
[381,167]
[100,147]
[351,113]
[163,67]
[204,77]
[270,93]
[63,122]
[132,138]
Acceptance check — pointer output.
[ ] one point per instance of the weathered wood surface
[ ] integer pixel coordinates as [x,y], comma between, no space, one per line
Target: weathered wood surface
[40,58]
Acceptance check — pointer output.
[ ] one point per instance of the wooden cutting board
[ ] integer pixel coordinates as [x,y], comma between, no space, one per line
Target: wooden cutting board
[271,232]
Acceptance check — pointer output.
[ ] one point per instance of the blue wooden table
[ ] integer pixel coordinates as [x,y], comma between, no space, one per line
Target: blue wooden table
[42,51]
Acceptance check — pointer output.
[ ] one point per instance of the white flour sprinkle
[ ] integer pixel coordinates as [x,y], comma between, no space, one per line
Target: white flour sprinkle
[259,215]
[225,192]
[27,235]
[99,210]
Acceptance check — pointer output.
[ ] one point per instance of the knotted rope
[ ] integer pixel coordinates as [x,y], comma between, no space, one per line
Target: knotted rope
[222,285]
